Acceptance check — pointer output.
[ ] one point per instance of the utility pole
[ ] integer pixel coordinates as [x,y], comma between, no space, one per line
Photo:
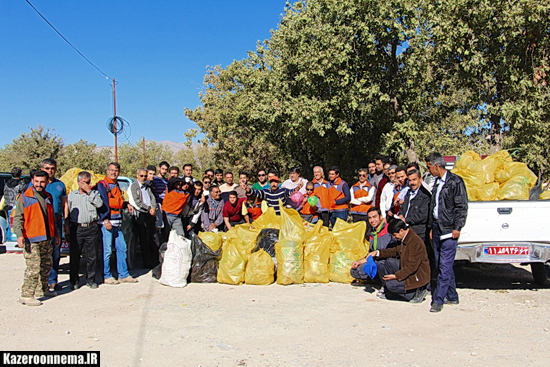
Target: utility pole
[114,107]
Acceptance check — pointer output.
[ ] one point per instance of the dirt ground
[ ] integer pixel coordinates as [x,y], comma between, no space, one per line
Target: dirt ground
[502,320]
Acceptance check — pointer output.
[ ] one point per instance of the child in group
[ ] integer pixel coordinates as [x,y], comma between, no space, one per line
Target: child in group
[308,208]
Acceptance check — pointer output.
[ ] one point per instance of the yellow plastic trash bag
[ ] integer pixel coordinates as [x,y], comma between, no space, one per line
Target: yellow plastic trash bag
[246,237]
[260,269]
[267,220]
[484,171]
[70,178]
[348,245]
[340,265]
[317,254]
[212,240]
[488,192]
[233,262]
[470,179]
[290,248]
[466,159]
[516,188]
[515,169]
[545,195]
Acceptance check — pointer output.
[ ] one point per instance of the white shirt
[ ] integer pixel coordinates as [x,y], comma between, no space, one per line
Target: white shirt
[440,183]
[144,194]
[413,195]
[386,198]
[289,184]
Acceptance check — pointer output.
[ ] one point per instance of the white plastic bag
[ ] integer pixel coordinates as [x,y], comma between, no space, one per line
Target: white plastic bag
[177,261]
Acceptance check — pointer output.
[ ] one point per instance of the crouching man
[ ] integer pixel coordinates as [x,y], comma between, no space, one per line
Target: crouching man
[406,271]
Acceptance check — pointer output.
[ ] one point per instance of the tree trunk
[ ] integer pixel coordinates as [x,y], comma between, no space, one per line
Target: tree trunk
[411,152]
[496,134]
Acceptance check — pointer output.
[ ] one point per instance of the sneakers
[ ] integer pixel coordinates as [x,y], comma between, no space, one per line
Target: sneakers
[419,296]
[92,285]
[74,287]
[110,280]
[436,307]
[48,293]
[128,279]
[29,301]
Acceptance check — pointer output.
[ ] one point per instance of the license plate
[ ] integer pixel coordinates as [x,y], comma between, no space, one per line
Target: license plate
[507,250]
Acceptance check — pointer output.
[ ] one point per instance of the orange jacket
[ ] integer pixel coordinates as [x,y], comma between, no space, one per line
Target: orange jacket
[357,193]
[321,191]
[307,209]
[34,226]
[336,192]
[174,201]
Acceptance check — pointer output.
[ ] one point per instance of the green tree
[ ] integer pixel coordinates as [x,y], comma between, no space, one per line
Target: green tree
[30,148]
[130,156]
[84,155]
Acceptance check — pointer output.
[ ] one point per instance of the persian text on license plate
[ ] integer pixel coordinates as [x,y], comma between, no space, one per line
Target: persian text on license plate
[507,250]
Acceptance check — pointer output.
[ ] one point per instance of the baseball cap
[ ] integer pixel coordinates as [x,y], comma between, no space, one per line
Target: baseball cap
[274,178]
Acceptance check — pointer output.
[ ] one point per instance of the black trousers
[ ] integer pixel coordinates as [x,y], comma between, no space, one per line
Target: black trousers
[146,231]
[87,238]
[325,217]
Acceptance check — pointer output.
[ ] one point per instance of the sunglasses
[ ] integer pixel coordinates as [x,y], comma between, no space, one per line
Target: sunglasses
[142,176]
[261,175]
[309,190]
[206,182]
[362,175]
[86,182]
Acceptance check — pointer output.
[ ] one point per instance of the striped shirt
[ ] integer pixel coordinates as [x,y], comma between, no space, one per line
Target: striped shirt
[272,197]
[83,207]
[158,186]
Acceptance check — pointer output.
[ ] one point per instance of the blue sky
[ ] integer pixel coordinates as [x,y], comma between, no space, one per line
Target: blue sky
[158,52]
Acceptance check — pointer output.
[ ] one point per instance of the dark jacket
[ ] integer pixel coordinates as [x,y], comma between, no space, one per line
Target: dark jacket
[453,204]
[419,209]
[13,188]
[415,267]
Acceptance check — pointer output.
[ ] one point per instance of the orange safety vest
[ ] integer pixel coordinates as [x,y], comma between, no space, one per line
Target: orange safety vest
[307,209]
[34,226]
[116,201]
[360,192]
[335,193]
[174,201]
[321,191]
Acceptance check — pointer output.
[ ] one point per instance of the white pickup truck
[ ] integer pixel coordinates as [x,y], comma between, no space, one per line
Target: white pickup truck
[507,232]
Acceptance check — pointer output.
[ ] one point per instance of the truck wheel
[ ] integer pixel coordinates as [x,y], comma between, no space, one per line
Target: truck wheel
[541,273]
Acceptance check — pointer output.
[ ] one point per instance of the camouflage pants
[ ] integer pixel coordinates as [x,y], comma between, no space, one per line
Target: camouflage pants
[39,264]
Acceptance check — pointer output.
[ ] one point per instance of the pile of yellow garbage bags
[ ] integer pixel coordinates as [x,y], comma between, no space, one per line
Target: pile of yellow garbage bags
[305,253]
[496,177]
[71,182]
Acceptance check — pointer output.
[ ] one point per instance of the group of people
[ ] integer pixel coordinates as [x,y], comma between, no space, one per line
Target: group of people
[413,221]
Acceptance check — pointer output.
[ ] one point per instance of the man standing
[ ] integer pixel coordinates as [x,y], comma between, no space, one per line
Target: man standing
[193,209]
[391,188]
[212,214]
[206,185]
[243,178]
[228,186]
[210,173]
[34,226]
[380,180]
[84,231]
[321,191]
[361,198]
[339,196]
[14,186]
[57,190]
[400,186]
[188,173]
[262,181]
[372,172]
[273,194]
[145,227]
[173,172]
[111,222]
[447,216]
[218,177]
[416,207]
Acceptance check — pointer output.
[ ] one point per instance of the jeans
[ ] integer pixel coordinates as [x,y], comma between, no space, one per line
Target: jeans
[56,254]
[175,224]
[395,288]
[335,215]
[445,252]
[110,237]
[360,218]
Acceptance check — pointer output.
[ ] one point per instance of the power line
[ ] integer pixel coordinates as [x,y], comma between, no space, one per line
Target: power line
[66,40]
